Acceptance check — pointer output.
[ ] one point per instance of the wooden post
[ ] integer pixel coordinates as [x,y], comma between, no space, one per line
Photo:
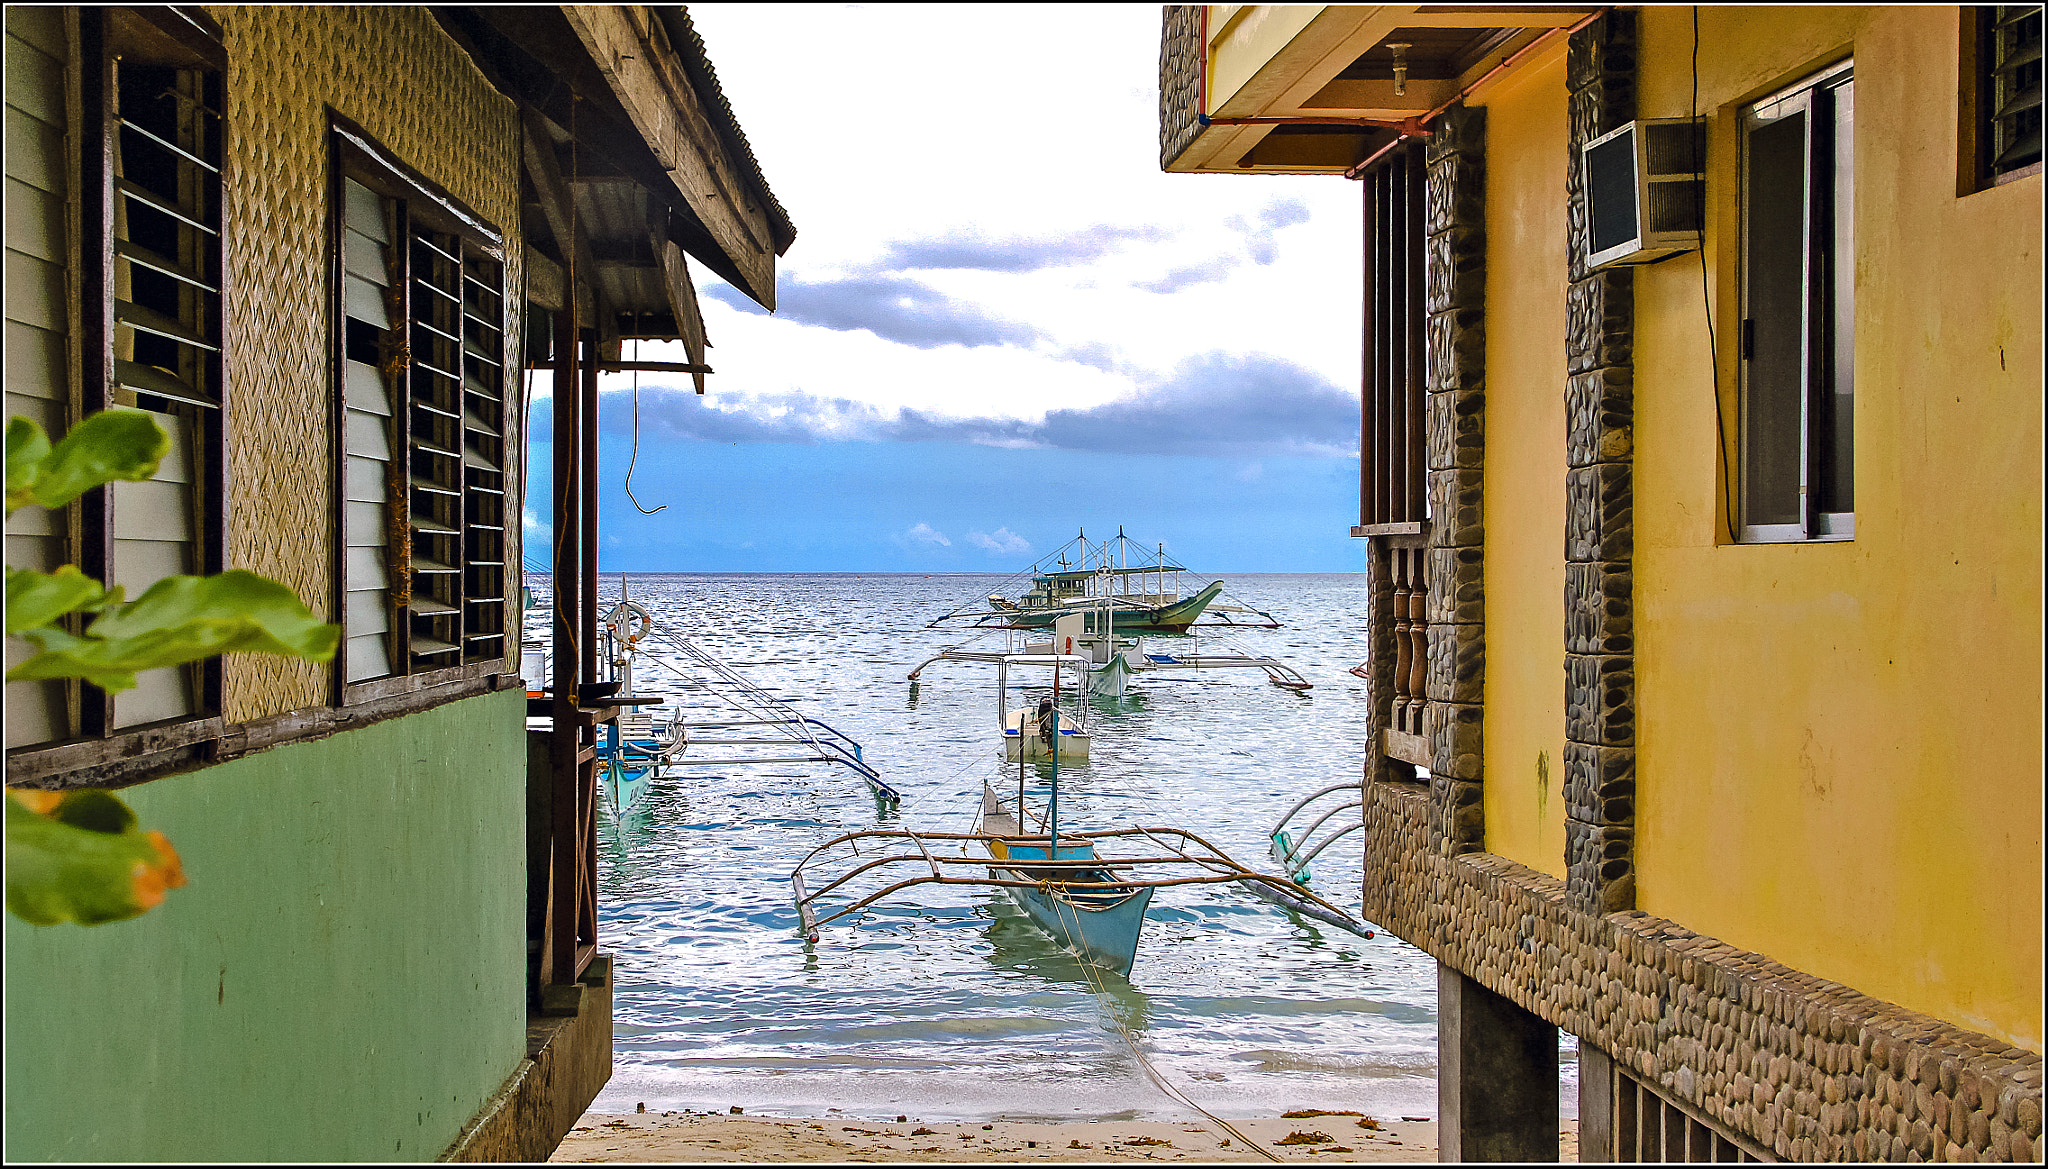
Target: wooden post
[558,948]
[1497,1076]
[587,498]
[582,944]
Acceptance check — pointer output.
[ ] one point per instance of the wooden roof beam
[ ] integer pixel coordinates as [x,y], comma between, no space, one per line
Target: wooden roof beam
[629,48]
[557,204]
[682,299]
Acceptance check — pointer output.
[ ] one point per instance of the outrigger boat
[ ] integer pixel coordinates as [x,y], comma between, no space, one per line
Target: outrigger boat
[1142,589]
[1030,736]
[1090,903]
[711,716]
[1108,661]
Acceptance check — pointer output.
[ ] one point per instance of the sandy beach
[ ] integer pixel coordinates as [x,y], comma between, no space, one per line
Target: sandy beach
[706,1137]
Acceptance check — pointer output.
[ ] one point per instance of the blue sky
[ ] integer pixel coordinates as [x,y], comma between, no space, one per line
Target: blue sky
[999,323]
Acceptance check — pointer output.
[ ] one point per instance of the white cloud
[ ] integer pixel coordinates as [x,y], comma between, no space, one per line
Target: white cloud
[1250,473]
[1095,275]
[1001,542]
[923,533]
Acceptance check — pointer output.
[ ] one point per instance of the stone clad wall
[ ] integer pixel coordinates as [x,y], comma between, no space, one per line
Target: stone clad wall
[1599,552]
[1454,249]
[1804,1067]
[1180,80]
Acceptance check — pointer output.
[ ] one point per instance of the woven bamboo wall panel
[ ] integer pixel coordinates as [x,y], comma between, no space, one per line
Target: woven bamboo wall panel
[397,75]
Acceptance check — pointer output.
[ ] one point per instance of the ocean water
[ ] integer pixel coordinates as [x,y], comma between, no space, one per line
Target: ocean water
[944,1003]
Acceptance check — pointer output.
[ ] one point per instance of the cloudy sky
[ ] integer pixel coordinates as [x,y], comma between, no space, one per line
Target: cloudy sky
[1000,321]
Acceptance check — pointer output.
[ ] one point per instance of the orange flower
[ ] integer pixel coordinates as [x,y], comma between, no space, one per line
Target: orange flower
[152,880]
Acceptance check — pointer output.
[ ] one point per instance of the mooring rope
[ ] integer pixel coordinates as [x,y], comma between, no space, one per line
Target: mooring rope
[1145,1064]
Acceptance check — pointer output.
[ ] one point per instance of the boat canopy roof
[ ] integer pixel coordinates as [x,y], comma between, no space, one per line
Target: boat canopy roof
[1085,573]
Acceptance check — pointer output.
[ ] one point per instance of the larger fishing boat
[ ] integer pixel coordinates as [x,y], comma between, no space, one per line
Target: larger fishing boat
[1143,589]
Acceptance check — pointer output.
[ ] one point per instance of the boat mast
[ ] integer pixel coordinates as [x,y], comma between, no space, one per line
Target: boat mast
[1002,707]
[1053,813]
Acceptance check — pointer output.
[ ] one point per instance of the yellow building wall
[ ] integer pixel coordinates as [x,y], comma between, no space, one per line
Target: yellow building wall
[1840,756]
[1525,469]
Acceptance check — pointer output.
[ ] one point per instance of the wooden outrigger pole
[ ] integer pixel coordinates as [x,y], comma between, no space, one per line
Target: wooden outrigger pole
[1219,868]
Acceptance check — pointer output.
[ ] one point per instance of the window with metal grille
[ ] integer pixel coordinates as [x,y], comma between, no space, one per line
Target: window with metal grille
[1391,493]
[422,429]
[2009,100]
[1798,337]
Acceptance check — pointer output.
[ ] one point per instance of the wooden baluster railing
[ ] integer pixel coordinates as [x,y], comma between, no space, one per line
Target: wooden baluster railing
[1407,726]
[1418,633]
[1404,645]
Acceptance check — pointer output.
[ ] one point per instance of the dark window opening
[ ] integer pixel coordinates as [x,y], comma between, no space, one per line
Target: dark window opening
[1392,471]
[1798,327]
[2009,97]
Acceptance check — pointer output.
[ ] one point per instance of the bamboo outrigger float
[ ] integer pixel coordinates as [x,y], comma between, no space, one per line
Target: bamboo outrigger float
[1087,642]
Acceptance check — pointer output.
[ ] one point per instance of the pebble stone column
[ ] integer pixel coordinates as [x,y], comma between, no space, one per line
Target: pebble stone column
[1600,696]
[1180,79]
[1454,224]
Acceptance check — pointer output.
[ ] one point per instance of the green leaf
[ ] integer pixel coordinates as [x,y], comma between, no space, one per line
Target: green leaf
[275,620]
[65,656]
[103,447]
[84,860]
[182,619]
[38,598]
[27,446]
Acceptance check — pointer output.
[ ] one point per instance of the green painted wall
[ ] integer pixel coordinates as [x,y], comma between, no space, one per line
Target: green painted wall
[342,979]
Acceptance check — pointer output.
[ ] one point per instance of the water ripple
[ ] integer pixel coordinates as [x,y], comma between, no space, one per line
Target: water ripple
[719,1001]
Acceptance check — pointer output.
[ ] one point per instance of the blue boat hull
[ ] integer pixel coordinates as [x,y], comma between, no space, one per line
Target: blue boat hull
[627,787]
[1101,925]
[1106,937]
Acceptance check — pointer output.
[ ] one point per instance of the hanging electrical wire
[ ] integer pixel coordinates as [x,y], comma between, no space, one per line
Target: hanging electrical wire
[1706,292]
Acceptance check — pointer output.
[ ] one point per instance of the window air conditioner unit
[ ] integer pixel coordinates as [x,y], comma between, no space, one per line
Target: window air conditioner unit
[1644,190]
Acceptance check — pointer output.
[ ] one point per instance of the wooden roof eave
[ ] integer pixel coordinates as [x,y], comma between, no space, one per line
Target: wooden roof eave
[1298,82]
[719,206]
[537,56]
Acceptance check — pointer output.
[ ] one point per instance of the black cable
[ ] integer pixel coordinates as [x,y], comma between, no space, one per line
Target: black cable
[1706,287]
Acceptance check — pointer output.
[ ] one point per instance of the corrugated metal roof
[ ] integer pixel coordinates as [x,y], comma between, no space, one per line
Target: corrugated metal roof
[696,61]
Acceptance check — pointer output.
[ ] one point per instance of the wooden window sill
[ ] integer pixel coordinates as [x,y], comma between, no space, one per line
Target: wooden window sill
[155,752]
[1406,747]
